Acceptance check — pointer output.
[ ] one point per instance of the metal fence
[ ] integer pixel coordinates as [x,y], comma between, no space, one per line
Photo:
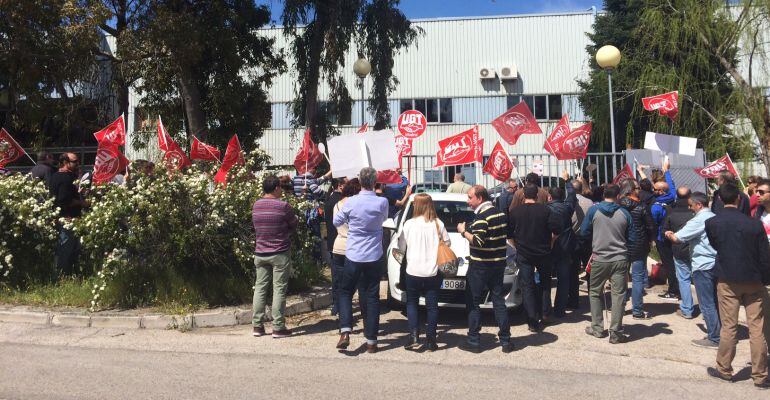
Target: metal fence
[420,169]
[86,155]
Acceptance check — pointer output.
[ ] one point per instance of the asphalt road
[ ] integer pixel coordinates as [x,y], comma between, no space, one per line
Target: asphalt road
[227,363]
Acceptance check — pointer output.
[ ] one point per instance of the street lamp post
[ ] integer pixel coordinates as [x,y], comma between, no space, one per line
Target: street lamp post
[608,57]
[362,68]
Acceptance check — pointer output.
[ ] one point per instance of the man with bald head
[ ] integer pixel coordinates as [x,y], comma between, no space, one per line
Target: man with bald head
[717,204]
[677,217]
[664,192]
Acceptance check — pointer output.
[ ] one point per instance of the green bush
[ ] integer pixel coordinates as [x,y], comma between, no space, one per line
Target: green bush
[174,237]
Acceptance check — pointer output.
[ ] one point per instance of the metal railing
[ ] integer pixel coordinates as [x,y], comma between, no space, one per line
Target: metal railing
[86,155]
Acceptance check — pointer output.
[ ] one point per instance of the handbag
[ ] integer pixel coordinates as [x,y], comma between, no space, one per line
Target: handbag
[446,259]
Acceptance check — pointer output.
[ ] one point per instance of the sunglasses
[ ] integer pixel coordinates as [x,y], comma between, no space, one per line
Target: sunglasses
[74,161]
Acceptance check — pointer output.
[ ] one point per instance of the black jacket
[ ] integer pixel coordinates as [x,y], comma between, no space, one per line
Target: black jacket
[561,218]
[677,216]
[646,198]
[643,225]
[717,205]
[331,230]
[743,253]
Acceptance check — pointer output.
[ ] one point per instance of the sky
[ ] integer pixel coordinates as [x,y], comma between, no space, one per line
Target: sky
[415,9]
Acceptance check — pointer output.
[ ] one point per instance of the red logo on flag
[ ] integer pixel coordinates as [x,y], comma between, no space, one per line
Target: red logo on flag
[233,156]
[575,146]
[557,136]
[666,104]
[10,151]
[625,173]
[403,145]
[114,133]
[412,124]
[109,162]
[516,122]
[202,151]
[712,170]
[174,156]
[309,155]
[463,148]
[499,165]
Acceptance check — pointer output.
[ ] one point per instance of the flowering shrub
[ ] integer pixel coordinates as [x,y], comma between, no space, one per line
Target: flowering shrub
[171,236]
[27,231]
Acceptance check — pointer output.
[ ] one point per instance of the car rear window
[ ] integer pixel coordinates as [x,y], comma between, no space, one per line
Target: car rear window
[450,213]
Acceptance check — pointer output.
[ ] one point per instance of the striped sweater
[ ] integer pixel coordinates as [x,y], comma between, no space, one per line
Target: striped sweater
[273,220]
[489,231]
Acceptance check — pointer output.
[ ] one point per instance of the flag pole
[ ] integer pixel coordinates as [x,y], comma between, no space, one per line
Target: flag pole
[736,170]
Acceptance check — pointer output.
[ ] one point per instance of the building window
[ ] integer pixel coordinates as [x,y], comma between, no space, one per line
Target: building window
[543,107]
[438,111]
[333,115]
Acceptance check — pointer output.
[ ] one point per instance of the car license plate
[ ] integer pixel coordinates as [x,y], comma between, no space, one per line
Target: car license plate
[453,284]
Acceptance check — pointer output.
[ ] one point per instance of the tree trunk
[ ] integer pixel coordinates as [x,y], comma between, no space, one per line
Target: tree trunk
[314,73]
[193,108]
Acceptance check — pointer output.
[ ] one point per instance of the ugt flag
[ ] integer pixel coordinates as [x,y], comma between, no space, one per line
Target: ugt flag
[712,170]
[114,133]
[173,155]
[666,104]
[463,148]
[202,151]
[560,132]
[233,156]
[575,146]
[309,155]
[499,165]
[10,151]
[625,173]
[109,162]
[388,176]
[516,122]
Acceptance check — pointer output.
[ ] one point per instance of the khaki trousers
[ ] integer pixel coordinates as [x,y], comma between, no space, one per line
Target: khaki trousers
[731,296]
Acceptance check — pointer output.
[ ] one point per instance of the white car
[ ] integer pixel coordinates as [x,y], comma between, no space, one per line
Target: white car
[451,209]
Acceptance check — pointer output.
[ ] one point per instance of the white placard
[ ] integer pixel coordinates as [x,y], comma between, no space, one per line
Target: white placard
[670,143]
[349,153]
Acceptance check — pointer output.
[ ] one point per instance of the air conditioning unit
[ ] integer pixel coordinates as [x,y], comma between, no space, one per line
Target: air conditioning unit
[509,73]
[487,73]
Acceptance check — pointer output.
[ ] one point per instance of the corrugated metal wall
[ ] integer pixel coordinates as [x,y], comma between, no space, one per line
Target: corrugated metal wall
[548,51]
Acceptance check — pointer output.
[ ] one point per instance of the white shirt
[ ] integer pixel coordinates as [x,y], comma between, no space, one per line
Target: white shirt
[421,240]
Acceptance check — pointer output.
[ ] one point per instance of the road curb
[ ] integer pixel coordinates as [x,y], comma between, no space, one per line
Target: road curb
[318,299]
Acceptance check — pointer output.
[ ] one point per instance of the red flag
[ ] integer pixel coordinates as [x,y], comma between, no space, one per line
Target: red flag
[202,151]
[114,133]
[625,173]
[233,156]
[666,104]
[173,155]
[516,122]
[388,176]
[10,151]
[712,170]
[363,128]
[463,148]
[309,155]
[499,164]
[575,146]
[109,162]
[557,136]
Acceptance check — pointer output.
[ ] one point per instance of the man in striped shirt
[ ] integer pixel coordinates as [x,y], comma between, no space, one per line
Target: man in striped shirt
[274,221]
[487,237]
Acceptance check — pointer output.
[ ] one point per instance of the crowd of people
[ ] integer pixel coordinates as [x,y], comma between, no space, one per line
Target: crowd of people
[719,245]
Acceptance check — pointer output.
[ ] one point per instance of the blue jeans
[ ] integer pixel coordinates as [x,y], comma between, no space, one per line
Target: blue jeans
[68,252]
[638,275]
[706,289]
[369,272]
[338,266]
[562,266]
[415,285]
[478,279]
[684,278]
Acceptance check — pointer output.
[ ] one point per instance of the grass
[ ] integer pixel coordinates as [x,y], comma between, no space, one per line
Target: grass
[68,292]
